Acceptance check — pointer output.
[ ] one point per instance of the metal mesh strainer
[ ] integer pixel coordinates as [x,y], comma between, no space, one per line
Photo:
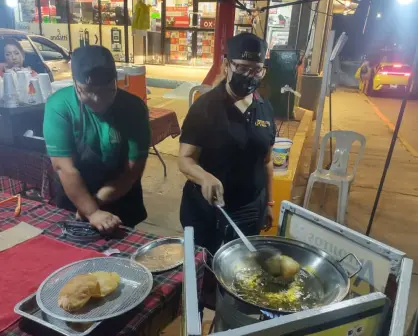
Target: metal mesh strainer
[135,285]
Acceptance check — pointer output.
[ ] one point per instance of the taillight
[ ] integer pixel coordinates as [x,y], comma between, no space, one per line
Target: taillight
[406,74]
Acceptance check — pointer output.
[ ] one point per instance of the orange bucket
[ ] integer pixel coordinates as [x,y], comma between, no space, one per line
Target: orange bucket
[133,80]
[121,79]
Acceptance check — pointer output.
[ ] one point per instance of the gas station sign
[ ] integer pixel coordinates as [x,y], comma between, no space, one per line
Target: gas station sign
[207,23]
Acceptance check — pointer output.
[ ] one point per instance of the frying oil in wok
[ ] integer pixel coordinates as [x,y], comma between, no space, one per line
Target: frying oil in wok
[259,288]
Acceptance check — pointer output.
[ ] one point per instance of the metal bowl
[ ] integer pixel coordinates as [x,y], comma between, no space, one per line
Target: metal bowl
[234,256]
[147,248]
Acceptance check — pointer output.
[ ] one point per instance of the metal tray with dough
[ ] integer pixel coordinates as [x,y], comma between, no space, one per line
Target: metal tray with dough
[160,265]
[28,308]
[135,285]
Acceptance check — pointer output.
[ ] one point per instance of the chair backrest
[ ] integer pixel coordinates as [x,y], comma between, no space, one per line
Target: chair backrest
[197,91]
[343,142]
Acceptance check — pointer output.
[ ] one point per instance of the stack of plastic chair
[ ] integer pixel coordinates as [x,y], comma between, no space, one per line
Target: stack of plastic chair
[338,173]
[197,91]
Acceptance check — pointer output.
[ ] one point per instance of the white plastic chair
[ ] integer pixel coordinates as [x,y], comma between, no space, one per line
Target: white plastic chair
[197,91]
[337,173]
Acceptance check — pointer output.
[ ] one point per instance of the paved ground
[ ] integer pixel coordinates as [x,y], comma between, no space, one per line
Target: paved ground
[396,221]
[390,107]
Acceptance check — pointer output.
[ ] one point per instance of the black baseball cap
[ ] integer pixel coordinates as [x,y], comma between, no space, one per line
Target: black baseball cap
[248,47]
[93,65]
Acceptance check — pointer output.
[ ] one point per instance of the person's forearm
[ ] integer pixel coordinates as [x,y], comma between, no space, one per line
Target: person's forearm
[119,187]
[269,182]
[191,169]
[77,192]
[114,190]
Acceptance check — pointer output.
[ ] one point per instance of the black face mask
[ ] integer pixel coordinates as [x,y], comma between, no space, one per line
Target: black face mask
[242,85]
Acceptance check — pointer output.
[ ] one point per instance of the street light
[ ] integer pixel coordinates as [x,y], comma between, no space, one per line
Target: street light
[11,3]
[378,15]
[405,2]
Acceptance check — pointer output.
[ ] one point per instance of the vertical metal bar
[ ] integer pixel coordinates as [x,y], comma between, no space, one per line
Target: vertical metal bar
[321,103]
[163,29]
[393,142]
[191,314]
[397,326]
[67,7]
[327,29]
[330,125]
[298,30]
[266,22]
[100,21]
[224,29]
[367,17]
[38,3]
[125,28]
[195,30]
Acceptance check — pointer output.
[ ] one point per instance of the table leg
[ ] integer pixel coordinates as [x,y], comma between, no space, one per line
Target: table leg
[161,159]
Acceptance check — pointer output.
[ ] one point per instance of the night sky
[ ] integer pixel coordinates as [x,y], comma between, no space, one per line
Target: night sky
[396,29]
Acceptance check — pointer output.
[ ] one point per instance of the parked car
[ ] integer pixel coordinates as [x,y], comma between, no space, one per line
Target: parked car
[41,54]
[385,77]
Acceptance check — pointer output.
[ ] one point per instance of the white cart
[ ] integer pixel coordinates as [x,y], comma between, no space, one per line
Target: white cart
[378,300]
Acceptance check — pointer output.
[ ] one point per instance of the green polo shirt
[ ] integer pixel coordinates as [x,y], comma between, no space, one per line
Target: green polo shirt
[126,123]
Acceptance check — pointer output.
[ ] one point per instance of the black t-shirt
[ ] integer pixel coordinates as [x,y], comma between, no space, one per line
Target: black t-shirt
[233,144]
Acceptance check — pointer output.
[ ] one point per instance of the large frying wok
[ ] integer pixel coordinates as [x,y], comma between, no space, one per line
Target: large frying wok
[233,257]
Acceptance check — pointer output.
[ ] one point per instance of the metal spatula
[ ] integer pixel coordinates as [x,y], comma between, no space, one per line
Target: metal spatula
[267,258]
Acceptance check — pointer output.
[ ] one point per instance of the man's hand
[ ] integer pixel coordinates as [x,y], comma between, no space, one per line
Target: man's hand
[80,217]
[104,221]
[269,220]
[212,190]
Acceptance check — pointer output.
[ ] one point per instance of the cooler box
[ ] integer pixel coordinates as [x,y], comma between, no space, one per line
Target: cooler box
[132,79]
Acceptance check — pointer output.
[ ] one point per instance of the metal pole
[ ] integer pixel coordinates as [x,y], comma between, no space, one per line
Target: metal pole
[367,17]
[330,125]
[321,103]
[224,29]
[393,142]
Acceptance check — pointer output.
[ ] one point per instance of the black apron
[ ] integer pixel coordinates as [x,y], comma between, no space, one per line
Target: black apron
[211,229]
[95,173]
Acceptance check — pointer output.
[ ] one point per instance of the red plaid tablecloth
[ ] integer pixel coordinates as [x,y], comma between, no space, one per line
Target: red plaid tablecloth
[167,286]
[164,123]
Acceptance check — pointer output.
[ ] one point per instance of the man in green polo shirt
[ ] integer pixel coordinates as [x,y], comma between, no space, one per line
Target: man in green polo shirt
[98,138]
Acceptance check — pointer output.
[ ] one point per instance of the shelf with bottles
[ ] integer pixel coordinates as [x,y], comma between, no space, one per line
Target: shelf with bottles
[155,14]
[84,12]
[243,29]
[112,13]
[242,17]
[205,44]
[179,43]
[50,13]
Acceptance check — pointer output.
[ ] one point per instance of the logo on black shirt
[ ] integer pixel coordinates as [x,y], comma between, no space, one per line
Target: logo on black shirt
[114,137]
[262,123]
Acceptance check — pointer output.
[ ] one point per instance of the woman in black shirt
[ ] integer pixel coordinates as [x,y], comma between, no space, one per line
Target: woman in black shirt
[225,150]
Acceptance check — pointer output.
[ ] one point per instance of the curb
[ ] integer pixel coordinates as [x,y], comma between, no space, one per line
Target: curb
[391,126]
[163,83]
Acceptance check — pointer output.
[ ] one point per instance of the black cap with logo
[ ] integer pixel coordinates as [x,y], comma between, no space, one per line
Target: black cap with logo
[93,65]
[247,47]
